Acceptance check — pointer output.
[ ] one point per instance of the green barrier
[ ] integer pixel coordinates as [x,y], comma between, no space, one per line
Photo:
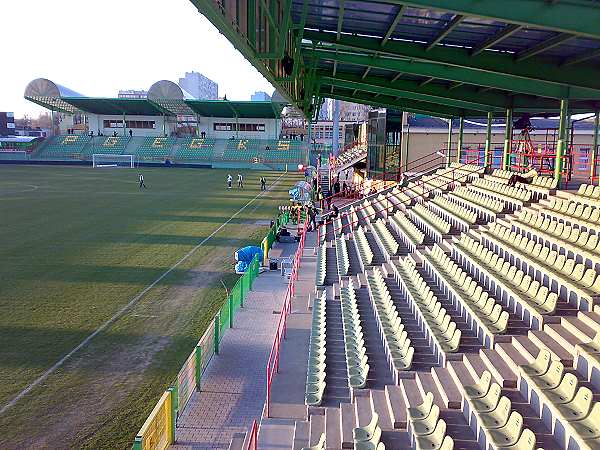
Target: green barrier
[176,397]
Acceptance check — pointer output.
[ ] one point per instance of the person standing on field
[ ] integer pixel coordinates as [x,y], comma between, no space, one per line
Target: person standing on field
[240,181]
[141,178]
[229,181]
[263,184]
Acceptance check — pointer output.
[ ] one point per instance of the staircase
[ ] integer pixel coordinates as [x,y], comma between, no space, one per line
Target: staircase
[324,180]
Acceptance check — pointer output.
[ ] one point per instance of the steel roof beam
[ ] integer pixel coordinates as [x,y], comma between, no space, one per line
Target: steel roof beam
[584,81]
[509,30]
[446,31]
[581,58]
[459,96]
[578,17]
[393,25]
[379,87]
[544,45]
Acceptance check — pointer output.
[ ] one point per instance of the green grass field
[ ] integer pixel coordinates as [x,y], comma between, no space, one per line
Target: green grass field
[77,245]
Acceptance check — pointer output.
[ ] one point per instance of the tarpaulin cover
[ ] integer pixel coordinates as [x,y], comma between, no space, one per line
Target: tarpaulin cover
[246,254]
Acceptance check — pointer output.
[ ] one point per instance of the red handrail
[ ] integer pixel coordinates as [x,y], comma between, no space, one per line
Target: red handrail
[273,361]
[253,442]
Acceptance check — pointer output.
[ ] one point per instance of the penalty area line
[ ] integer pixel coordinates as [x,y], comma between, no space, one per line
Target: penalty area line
[125,308]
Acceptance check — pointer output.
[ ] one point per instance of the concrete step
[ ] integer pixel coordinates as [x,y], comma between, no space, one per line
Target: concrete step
[347,424]
[426,383]
[316,425]
[543,340]
[275,434]
[333,431]
[460,374]
[410,392]
[498,367]
[397,406]
[474,364]
[237,442]
[379,404]
[447,387]
[513,357]
[563,336]
[362,408]
[526,347]
[301,430]
[581,329]
[592,319]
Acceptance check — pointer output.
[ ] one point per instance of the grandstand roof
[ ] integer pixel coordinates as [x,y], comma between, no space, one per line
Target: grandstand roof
[439,57]
[164,98]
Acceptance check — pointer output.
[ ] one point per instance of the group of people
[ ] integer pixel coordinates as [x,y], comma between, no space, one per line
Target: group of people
[240,182]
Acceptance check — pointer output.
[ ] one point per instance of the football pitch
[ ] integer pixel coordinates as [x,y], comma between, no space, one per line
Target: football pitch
[86,257]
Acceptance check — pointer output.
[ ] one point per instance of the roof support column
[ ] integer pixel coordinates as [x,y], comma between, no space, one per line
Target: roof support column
[563,133]
[459,144]
[164,127]
[507,139]
[336,125]
[594,152]
[488,140]
[449,147]
[124,126]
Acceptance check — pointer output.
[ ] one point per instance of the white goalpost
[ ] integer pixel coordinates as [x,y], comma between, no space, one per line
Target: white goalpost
[101,160]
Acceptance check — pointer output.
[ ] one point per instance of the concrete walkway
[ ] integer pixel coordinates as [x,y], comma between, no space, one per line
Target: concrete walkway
[233,386]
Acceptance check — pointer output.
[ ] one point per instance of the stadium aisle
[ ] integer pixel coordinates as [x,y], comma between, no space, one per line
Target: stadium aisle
[233,386]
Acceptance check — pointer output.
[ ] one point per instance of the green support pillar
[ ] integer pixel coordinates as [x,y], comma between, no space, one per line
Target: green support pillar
[459,144]
[488,139]
[594,153]
[507,139]
[562,137]
[449,142]
[198,366]
[174,410]
[231,306]
[217,323]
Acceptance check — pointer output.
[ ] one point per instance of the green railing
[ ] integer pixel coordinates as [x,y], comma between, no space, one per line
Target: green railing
[269,239]
[158,431]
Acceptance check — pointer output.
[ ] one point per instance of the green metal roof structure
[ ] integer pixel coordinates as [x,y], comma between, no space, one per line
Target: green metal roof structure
[445,58]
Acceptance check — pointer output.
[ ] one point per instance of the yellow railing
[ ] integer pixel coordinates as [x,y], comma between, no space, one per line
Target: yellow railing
[158,431]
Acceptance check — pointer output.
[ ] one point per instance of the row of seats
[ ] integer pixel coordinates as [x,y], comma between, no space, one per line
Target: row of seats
[398,348]
[439,324]
[527,297]
[321,264]
[559,236]
[573,211]
[69,146]
[434,223]
[386,238]
[350,155]
[113,145]
[155,148]
[363,247]
[562,403]
[486,206]
[454,212]
[427,430]
[411,235]
[579,284]
[491,319]
[343,260]
[589,191]
[492,416]
[368,437]
[512,196]
[315,378]
[357,361]
[191,149]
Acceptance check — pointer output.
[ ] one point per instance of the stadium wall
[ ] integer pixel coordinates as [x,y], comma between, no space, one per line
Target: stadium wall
[96,122]
[272,128]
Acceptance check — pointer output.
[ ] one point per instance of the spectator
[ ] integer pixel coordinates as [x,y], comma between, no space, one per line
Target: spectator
[336,186]
[130,132]
[525,178]
[403,181]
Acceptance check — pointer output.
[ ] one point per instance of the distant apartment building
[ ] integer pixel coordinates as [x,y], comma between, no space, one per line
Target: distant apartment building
[7,123]
[326,108]
[199,87]
[132,93]
[260,96]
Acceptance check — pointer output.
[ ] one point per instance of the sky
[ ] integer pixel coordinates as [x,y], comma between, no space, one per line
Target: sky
[97,47]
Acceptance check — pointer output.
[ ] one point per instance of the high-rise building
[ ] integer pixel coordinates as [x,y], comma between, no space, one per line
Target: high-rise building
[260,96]
[132,93]
[354,112]
[199,87]
[326,108]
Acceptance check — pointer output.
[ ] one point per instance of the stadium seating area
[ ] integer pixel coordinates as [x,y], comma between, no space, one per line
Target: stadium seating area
[264,150]
[155,148]
[195,149]
[105,145]
[65,147]
[470,314]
